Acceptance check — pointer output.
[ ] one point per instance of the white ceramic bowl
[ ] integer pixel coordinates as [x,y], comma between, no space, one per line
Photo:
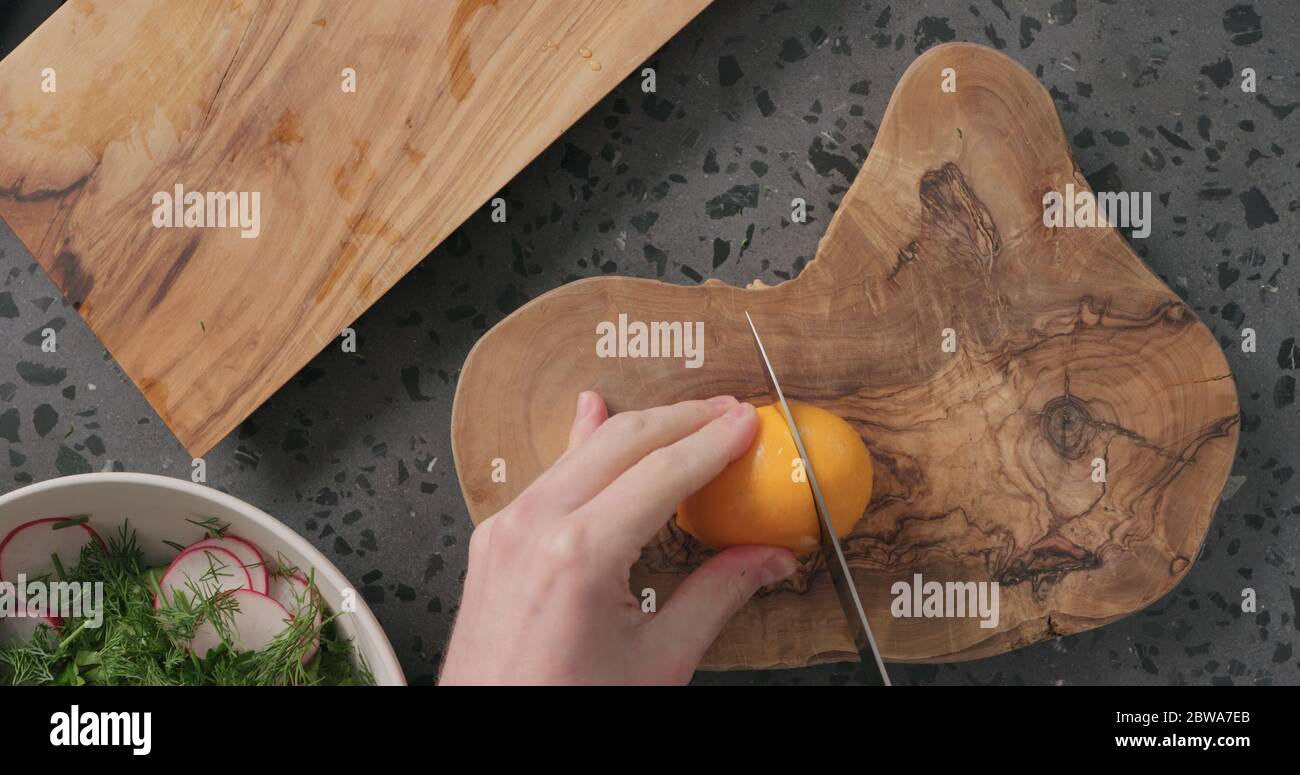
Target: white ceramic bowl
[158,507]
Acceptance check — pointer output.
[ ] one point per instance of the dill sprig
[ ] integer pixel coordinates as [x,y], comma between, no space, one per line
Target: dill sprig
[137,644]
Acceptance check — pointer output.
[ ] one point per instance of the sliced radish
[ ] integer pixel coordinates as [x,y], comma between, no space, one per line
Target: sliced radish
[292,593]
[29,548]
[253,624]
[21,629]
[247,554]
[296,595]
[202,572]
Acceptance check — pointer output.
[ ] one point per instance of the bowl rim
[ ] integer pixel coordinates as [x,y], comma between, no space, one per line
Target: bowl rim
[386,657]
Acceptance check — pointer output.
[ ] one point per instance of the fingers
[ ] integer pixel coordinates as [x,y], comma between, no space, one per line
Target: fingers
[588,416]
[615,446]
[628,513]
[710,596]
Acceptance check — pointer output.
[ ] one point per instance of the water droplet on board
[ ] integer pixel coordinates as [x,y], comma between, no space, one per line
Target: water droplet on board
[549,46]
[594,65]
[585,53]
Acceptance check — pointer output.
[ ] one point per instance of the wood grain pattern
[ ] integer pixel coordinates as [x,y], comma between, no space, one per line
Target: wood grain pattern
[452,99]
[1069,349]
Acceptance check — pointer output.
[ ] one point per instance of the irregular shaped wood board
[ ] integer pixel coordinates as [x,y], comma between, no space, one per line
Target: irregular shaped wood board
[452,99]
[1068,350]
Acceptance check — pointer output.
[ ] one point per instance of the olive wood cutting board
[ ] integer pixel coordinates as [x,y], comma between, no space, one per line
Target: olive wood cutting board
[1066,350]
[355,186]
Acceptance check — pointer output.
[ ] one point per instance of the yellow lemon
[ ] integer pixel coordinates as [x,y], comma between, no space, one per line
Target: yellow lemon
[764,497]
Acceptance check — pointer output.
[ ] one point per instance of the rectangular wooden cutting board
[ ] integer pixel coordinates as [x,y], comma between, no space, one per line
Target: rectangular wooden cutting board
[109,105]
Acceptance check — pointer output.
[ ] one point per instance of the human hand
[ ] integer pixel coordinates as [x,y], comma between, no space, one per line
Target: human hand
[546,599]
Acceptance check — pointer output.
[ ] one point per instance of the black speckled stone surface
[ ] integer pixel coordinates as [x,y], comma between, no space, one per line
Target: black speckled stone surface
[759,102]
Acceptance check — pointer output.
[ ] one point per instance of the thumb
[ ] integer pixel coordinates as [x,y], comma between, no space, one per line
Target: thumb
[710,596]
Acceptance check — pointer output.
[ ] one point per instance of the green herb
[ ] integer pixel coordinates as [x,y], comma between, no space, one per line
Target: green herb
[58,567]
[211,525]
[71,522]
[137,644]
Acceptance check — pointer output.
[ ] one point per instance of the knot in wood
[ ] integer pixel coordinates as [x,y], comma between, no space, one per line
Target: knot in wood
[1067,426]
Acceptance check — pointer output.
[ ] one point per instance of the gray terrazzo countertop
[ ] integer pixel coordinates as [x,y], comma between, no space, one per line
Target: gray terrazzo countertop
[759,102]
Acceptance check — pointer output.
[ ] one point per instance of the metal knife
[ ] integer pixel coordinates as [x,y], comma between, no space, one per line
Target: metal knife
[869,655]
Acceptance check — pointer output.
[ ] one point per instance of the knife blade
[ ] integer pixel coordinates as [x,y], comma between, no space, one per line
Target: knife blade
[842,576]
